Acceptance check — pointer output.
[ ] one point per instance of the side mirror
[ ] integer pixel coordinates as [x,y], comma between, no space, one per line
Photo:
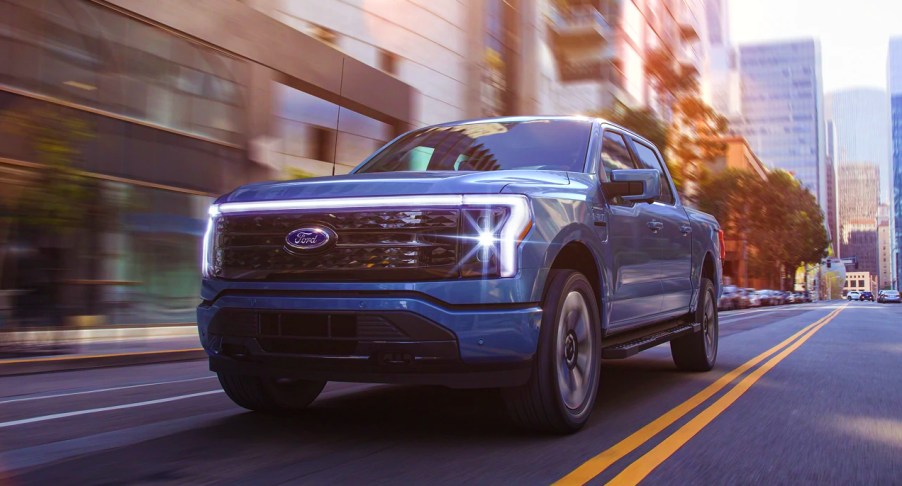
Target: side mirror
[642,185]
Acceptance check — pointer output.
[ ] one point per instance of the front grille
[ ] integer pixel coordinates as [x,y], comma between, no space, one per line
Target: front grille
[370,245]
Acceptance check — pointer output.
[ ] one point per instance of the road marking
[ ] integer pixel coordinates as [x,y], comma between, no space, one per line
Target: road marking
[643,466]
[99,390]
[55,416]
[596,465]
[89,356]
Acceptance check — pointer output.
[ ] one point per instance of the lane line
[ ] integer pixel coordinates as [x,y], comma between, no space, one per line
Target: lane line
[89,356]
[596,465]
[99,390]
[55,416]
[643,466]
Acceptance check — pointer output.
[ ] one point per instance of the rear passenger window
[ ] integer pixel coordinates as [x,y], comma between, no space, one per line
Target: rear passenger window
[649,160]
[614,154]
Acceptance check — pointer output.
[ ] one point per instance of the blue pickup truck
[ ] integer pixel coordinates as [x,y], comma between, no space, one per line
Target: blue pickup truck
[511,253]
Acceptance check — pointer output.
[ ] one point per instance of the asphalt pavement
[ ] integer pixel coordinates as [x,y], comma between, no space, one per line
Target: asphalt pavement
[802,394]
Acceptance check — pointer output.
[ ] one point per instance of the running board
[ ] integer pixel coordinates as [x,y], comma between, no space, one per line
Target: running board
[628,348]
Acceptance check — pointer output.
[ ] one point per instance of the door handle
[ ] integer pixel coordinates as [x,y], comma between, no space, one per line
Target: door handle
[599,217]
[685,229]
[655,226]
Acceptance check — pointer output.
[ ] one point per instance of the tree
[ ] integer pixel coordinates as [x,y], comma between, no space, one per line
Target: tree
[778,218]
[694,137]
[695,140]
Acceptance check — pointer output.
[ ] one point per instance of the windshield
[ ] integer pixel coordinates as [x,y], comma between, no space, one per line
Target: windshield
[524,145]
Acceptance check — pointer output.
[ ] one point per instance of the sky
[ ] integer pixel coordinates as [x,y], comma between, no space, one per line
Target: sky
[854,34]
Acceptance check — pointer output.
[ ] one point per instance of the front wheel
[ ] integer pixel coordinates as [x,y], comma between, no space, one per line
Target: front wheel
[698,351]
[561,391]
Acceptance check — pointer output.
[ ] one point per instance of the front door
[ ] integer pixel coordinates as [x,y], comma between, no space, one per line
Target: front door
[636,292]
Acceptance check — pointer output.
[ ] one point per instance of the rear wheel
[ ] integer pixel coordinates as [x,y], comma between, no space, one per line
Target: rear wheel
[270,394]
[698,351]
[561,392]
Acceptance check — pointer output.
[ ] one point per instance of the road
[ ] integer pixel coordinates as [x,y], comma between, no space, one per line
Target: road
[804,394]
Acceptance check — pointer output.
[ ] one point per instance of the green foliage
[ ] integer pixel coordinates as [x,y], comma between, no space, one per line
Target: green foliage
[695,140]
[779,219]
[59,193]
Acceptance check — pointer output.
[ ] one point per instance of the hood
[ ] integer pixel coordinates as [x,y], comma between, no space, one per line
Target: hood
[394,184]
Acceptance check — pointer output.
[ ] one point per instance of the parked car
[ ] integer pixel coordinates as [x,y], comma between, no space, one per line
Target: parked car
[888,296]
[752,296]
[866,296]
[729,298]
[476,254]
[764,297]
[742,299]
[853,295]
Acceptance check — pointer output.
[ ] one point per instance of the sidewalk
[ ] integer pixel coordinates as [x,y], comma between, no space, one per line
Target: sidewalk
[38,351]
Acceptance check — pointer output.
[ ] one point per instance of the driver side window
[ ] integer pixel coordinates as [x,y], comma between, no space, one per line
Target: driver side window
[614,154]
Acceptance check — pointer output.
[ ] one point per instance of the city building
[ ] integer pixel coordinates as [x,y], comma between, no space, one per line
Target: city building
[738,155]
[122,120]
[860,118]
[782,113]
[720,79]
[598,50]
[894,84]
[858,282]
[831,214]
[884,247]
[858,214]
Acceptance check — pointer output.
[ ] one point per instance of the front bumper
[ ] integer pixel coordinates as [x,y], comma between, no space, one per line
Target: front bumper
[384,337]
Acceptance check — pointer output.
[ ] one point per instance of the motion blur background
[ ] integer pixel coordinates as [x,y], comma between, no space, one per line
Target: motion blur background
[121,120]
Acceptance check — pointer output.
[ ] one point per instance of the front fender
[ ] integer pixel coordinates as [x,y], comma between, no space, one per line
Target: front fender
[557,223]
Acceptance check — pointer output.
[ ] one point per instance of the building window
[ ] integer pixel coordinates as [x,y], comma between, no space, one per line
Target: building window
[316,137]
[89,55]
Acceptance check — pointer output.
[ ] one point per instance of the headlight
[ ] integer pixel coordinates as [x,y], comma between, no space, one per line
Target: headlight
[492,227]
[208,255]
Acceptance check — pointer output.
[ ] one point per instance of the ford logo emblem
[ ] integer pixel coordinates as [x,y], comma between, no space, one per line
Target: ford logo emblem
[309,238]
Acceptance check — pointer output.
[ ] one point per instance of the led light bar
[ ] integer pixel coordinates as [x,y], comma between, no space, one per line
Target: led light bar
[511,234]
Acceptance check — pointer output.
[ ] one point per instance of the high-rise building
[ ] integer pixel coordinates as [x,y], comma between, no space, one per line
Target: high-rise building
[858,214]
[720,81]
[884,246]
[862,133]
[831,214]
[782,109]
[894,84]
[832,211]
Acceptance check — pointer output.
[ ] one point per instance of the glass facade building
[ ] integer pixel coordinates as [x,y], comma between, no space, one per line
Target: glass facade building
[117,132]
[860,118]
[782,109]
[894,73]
[859,123]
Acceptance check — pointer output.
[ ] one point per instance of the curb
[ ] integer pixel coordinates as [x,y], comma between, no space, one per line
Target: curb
[26,366]
[53,336]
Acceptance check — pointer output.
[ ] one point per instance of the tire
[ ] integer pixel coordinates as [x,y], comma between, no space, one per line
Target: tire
[698,351]
[269,395]
[561,392]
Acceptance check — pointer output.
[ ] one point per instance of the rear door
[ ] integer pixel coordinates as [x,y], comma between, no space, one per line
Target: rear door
[636,287]
[673,240]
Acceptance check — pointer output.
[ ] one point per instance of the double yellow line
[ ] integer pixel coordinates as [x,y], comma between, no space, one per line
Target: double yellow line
[643,466]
